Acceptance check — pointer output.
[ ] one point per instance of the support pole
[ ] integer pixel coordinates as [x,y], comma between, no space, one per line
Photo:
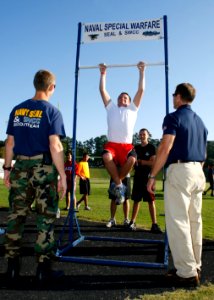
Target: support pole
[71,210]
[166,62]
[166,74]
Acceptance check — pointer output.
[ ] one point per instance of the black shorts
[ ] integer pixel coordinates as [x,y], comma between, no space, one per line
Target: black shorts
[84,186]
[139,191]
[127,182]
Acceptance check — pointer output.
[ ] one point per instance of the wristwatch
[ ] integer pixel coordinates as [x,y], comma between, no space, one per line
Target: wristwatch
[151,177]
[6,168]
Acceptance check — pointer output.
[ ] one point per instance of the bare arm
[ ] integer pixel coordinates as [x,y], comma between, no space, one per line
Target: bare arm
[161,158]
[141,84]
[8,158]
[57,155]
[104,94]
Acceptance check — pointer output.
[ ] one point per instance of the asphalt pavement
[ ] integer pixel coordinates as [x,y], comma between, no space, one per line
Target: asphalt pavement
[84,277]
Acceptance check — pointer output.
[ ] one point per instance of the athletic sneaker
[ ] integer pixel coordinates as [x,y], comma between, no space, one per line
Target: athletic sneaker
[58,213]
[2,231]
[111,223]
[126,223]
[120,192]
[87,208]
[132,226]
[111,189]
[156,229]
[78,206]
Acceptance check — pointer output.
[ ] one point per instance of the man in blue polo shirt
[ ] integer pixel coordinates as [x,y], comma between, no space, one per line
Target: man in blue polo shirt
[183,150]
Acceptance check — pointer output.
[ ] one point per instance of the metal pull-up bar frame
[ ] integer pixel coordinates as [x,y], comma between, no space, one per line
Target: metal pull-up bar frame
[73,241]
[123,65]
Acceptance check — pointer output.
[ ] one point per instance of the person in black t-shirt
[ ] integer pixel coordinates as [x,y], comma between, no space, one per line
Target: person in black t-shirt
[210,179]
[145,158]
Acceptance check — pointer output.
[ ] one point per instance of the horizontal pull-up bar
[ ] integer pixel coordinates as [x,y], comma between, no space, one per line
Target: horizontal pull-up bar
[123,65]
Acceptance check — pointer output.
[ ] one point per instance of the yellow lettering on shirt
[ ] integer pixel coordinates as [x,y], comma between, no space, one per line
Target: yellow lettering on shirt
[28,113]
[35,114]
[22,112]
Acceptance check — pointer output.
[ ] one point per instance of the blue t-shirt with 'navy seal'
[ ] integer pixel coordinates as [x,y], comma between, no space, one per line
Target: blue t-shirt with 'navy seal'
[190,135]
[31,123]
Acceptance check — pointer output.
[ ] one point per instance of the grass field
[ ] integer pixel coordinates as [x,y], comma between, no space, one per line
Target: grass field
[100,205]
[99,202]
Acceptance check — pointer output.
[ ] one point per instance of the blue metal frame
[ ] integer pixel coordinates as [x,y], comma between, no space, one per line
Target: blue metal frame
[166,62]
[71,217]
[111,262]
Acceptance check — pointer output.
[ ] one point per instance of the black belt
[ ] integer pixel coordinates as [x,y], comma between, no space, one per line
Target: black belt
[181,161]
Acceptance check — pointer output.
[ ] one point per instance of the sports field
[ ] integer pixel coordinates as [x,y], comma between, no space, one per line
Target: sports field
[100,205]
[97,282]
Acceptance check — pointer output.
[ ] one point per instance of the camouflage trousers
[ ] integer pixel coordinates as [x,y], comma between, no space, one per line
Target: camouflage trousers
[32,181]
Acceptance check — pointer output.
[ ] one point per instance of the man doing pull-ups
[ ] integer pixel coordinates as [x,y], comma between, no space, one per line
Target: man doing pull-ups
[118,155]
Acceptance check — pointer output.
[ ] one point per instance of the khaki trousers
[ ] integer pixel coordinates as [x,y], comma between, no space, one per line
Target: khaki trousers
[184,185]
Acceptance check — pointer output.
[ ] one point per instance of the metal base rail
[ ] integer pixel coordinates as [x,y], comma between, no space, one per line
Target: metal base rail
[61,253]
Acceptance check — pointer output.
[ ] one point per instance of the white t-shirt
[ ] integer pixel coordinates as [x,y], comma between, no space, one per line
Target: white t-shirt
[121,122]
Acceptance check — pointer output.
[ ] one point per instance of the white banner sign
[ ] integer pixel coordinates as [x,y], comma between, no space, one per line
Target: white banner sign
[122,31]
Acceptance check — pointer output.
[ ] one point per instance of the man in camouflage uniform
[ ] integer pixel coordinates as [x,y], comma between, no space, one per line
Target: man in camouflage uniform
[34,130]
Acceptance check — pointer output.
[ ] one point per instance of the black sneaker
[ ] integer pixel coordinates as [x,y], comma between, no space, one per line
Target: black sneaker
[132,226]
[155,229]
[126,223]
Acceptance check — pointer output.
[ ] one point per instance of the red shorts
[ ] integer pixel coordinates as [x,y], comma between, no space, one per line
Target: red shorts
[119,152]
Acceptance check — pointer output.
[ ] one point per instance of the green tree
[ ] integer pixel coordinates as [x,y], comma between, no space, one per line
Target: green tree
[210,153]
[135,139]
[99,143]
[67,144]
[2,148]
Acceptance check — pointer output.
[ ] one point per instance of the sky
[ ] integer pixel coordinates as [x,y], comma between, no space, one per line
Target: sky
[42,34]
